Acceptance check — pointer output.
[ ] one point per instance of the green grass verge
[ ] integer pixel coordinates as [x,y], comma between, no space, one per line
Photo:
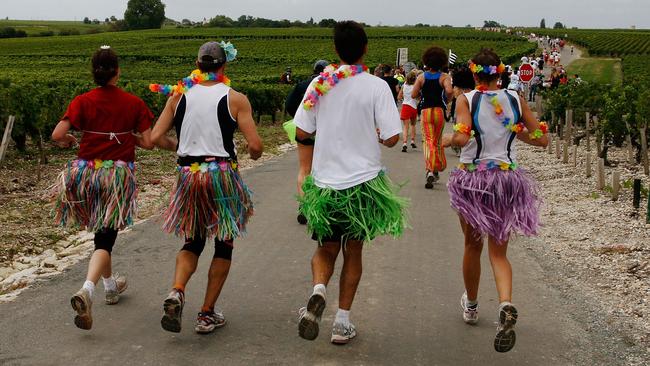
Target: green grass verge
[598,70]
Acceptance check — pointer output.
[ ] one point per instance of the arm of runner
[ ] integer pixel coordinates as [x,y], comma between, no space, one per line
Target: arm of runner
[417,87]
[61,135]
[463,118]
[532,124]
[143,139]
[449,89]
[400,95]
[246,123]
[387,122]
[164,124]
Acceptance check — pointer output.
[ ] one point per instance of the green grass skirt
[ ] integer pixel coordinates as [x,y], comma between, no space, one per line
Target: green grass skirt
[362,212]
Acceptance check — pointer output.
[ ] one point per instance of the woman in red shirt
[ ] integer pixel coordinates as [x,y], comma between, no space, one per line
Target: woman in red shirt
[98,189]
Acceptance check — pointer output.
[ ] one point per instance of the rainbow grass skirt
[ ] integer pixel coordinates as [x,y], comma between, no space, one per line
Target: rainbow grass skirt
[496,199]
[362,212]
[208,199]
[96,194]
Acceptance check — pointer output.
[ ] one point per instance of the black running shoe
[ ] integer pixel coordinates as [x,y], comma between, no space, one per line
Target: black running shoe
[413,145]
[505,339]
[404,148]
[430,180]
[172,311]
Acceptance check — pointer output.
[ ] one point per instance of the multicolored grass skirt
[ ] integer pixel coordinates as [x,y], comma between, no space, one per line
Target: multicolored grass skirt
[96,194]
[496,199]
[362,212]
[209,199]
[433,123]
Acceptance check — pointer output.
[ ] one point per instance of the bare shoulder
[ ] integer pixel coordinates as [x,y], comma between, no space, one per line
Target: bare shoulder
[237,97]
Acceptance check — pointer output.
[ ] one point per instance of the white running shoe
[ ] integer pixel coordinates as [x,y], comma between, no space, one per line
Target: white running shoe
[309,316]
[470,315]
[343,333]
[506,337]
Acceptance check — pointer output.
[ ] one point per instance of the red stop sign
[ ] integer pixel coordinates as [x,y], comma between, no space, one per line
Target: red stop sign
[526,73]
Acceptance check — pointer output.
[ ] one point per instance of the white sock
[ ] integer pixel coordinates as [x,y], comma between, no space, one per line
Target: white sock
[90,286]
[321,289]
[109,284]
[343,317]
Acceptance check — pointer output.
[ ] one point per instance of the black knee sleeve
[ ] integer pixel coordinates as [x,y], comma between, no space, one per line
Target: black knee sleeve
[194,245]
[105,239]
[223,249]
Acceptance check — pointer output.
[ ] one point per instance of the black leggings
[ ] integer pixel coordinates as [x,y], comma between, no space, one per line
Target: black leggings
[222,249]
[105,239]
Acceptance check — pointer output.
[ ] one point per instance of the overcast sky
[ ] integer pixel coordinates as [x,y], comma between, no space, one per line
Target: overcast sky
[582,14]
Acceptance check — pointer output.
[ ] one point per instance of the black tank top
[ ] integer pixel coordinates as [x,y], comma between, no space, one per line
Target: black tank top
[433,94]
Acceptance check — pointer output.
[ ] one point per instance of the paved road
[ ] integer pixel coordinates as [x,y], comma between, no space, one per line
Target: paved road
[406,311]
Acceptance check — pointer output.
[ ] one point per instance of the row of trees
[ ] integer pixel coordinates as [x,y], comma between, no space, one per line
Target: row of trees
[246,21]
[557,25]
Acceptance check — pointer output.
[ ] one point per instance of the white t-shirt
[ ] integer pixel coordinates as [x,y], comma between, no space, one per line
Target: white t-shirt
[346,152]
[408,99]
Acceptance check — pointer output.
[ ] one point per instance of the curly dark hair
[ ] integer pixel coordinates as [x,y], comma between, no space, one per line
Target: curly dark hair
[105,66]
[462,77]
[435,58]
[487,57]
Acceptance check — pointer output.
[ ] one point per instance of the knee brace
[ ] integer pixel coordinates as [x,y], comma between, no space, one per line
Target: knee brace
[194,245]
[105,239]
[223,249]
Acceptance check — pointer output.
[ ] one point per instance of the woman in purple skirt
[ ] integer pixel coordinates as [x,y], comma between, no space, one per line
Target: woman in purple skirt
[492,195]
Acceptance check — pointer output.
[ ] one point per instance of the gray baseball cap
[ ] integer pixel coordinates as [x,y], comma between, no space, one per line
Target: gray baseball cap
[211,52]
[320,65]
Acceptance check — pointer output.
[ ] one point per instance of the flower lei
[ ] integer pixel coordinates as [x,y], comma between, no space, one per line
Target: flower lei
[327,80]
[488,165]
[508,123]
[463,129]
[196,77]
[488,69]
[541,131]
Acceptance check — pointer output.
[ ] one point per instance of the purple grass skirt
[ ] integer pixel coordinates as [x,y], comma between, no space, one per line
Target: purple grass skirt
[495,202]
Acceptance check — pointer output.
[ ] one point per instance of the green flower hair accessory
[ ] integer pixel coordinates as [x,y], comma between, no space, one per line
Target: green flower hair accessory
[230,50]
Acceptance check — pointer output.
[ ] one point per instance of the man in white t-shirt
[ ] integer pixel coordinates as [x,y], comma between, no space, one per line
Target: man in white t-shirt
[348,110]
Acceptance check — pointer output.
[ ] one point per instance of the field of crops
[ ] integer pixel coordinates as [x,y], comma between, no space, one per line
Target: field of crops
[164,55]
[40,27]
[57,68]
[633,46]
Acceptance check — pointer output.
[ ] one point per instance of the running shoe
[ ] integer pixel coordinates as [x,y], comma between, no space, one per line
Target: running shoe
[208,321]
[430,180]
[172,311]
[342,333]
[82,303]
[302,220]
[506,337]
[404,148]
[113,296]
[470,314]
[309,316]
[413,145]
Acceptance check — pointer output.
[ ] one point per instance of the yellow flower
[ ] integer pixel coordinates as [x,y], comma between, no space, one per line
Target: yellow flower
[504,166]
[461,166]
[98,164]
[195,167]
